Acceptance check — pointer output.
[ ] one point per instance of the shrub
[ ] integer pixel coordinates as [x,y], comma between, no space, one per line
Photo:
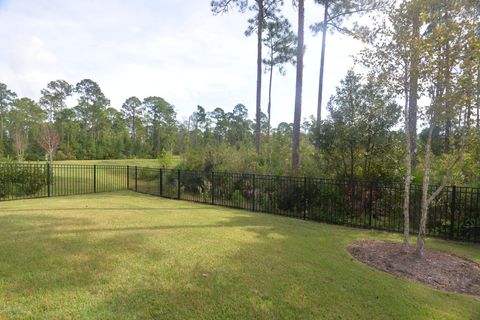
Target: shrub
[193,182]
[21,180]
[291,198]
[165,159]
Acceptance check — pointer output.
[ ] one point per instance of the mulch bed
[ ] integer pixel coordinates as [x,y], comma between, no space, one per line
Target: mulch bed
[436,269]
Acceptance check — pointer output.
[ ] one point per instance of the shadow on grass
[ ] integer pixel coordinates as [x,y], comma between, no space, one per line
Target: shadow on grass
[37,257]
[292,269]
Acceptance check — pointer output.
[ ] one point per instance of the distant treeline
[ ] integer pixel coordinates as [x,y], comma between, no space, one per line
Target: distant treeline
[356,141]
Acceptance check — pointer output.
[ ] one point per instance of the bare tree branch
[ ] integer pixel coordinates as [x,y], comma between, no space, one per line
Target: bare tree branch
[49,141]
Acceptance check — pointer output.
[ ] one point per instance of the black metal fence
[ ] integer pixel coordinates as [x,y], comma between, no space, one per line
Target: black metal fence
[455,214]
[23,181]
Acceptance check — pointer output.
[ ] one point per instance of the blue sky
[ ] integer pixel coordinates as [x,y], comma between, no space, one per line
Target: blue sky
[174,49]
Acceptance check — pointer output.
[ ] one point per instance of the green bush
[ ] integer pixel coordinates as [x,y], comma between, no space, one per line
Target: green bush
[21,180]
[165,159]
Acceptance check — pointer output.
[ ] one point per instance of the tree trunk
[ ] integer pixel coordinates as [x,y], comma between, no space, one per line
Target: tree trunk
[269,114]
[478,98]
[425,202]
[269,110]
[413,85]
[298,88]
[322,64]
[408,182]
[259,75]
[448,89]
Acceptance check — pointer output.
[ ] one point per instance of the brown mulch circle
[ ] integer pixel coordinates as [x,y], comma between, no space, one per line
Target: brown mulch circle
[436,269]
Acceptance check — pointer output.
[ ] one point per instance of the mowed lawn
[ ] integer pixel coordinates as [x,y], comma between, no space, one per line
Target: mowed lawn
[130,256]
[151,163]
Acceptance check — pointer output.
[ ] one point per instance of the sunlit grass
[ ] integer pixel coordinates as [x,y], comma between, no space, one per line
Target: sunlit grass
[125,256]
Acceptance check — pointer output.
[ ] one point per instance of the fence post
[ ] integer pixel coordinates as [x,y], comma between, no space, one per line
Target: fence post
[452,211]
[178,184]
[253,195]
[136,179]
[305,194]
[48,180]
[128,177]
[94,178]
[161,182]
[213,188]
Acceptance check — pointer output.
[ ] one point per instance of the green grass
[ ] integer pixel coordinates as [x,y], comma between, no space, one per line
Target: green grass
[151,163]
[131,256]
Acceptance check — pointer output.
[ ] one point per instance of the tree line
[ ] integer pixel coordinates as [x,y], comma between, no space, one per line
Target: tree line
[92,129]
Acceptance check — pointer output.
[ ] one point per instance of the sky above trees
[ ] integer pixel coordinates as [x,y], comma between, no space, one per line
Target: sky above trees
[174,49]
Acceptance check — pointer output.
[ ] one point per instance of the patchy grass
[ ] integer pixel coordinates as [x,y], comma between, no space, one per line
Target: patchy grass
[125,255]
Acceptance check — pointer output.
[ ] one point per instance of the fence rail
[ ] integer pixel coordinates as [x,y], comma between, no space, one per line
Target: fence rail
[455,214]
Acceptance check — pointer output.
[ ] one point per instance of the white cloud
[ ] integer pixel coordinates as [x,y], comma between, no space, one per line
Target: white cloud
[174,49]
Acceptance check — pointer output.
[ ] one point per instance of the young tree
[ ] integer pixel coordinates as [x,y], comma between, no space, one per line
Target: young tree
[413,10]
[450,92]
[394,57]
[298,86]
[262,9]
[357,134]
[20,143]
[49,141]
[334,15]
[280,42]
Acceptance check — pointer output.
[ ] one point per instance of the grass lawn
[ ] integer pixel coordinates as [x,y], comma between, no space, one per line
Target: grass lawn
[151,163]
[130,256]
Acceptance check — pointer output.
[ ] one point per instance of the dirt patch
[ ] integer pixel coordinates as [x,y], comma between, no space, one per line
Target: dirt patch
[437,269]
